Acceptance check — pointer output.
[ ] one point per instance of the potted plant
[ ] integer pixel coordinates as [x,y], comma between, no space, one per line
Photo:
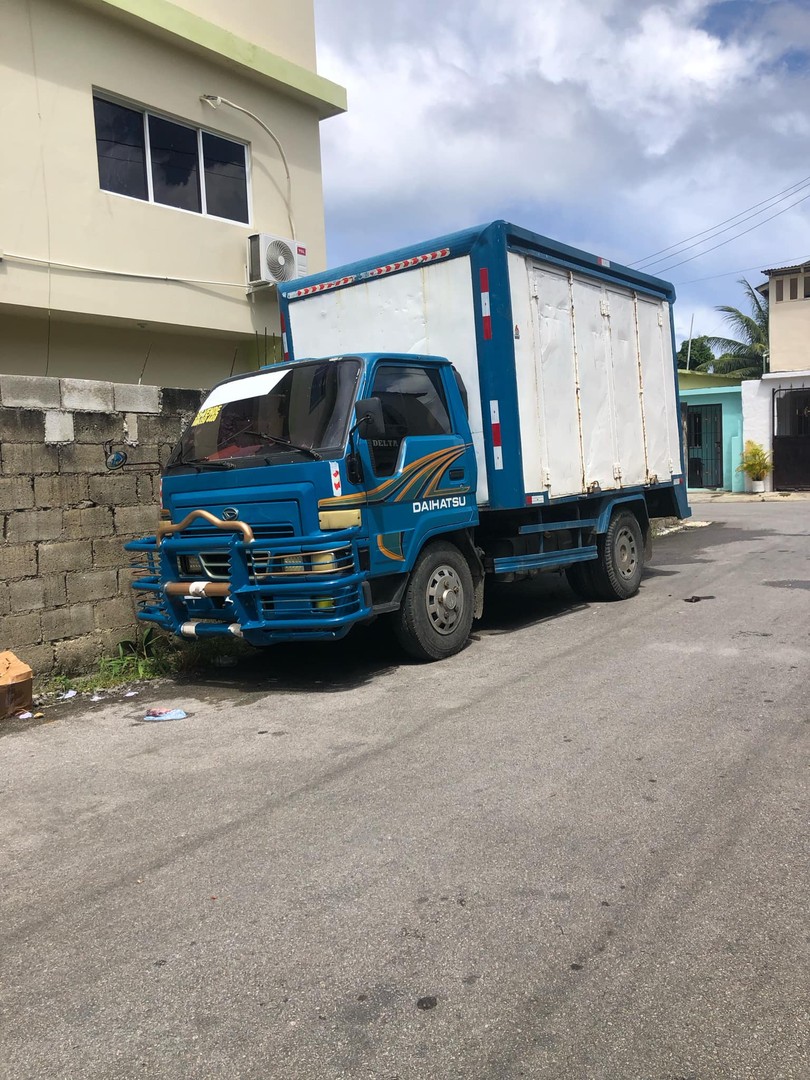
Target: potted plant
[756,463]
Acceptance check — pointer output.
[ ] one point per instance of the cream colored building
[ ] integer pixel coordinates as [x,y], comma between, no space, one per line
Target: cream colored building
[788,292]
[126,201]
[776,408]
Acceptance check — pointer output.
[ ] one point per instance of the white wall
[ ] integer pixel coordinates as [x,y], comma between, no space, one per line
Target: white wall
[757,404]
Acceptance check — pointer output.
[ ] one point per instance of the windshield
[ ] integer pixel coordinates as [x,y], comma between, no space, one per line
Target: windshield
[303,409]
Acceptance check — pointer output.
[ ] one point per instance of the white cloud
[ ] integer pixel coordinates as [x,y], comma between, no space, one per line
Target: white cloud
[621,127]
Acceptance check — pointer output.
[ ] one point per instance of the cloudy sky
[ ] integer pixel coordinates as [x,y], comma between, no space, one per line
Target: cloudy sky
[619,126]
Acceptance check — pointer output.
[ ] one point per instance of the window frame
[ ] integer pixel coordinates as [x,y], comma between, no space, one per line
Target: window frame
[145,112]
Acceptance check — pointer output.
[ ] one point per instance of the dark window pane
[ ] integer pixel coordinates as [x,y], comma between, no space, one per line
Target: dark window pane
[413,404]
[120,148]
[780,289]
[175,167]
[225,178]
[794,288]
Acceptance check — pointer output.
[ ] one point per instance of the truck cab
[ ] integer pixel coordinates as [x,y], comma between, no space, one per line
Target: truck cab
[299,498]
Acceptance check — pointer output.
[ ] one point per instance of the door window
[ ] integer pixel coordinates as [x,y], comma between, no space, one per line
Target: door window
[413,403]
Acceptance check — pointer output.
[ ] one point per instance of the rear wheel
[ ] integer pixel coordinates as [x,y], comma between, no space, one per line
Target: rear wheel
[437,610]
[581,581]
[616,574]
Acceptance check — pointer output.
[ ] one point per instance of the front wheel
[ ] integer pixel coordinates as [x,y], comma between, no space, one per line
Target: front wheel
[437,610]
[616,574]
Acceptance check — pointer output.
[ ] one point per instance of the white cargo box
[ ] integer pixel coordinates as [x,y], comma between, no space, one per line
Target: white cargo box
[568,361]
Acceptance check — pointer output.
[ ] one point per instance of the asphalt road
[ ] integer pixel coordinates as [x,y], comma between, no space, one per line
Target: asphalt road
[577,850]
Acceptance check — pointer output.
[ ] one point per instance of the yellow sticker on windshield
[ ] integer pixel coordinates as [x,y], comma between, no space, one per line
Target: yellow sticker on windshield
[206,416]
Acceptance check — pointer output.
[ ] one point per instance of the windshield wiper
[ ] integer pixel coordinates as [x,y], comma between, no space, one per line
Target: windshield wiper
[200,464]
[277,441]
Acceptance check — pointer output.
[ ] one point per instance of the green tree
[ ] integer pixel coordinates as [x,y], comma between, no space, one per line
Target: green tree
[701,357]
[743,355]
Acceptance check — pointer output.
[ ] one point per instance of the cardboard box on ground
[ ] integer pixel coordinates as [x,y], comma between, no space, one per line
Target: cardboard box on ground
[16,684]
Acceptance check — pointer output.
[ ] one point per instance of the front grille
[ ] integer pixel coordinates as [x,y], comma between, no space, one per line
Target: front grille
[264,565]
[308,564]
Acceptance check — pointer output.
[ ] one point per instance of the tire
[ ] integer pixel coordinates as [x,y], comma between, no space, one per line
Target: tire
[581,580]
[437,609]
[616,574]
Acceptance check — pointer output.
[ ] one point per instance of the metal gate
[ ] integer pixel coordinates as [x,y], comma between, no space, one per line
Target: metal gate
[704,424]
[791,440]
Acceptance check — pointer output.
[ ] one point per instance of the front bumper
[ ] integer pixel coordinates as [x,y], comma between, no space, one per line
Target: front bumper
[221,579]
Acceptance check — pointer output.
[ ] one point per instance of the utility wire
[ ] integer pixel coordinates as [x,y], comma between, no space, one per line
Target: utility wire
[745,214]
[700,254]
[743,270]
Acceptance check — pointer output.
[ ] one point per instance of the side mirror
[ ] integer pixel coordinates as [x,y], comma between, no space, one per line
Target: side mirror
[115,459]
[370,422]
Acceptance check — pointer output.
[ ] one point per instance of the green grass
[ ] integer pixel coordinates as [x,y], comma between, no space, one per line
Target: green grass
[150,655]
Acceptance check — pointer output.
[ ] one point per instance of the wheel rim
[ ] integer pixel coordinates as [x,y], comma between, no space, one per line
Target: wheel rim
[445,599]
[626,553]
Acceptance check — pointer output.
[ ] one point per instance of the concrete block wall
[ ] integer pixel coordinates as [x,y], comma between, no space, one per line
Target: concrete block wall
[65,598]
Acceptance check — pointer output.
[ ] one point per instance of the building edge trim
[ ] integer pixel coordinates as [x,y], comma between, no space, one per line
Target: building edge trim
[169,20]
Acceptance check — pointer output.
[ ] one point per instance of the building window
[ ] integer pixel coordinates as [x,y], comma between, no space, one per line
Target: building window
[158,160]
[807,287]
[780,290]
[794,288]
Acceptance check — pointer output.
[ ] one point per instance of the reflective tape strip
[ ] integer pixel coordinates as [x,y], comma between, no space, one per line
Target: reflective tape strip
[497,442]
[486,318]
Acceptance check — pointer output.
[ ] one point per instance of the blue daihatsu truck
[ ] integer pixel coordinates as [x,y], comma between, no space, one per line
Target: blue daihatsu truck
[491,404]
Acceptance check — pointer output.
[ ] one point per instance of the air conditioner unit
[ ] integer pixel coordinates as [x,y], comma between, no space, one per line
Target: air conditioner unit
[272,259]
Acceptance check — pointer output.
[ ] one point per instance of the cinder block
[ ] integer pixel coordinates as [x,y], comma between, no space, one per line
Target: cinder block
[76,657]
[19,561]
[91,585]
[147,488]
[60,490]
[38,657]
[58,427]
[175,400]
[54,591]
[136,520]
[131,428]
[91,522]
[97,428]
[129,397]
[114,489]
[82,459]
[61,555]
[160,429]
[87,395]
[29,459]
[16,493]
[22,425]
[110,553]
[29,392]
[17,630]
[116,614]
[34,525]
[67,622]
[27,595]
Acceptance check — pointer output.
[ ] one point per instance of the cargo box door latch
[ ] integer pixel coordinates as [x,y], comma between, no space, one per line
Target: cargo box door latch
[617,471]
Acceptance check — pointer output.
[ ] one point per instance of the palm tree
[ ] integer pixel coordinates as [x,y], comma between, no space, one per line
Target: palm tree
[744,356]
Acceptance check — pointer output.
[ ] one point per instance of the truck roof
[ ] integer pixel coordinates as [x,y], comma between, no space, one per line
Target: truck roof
[494,233]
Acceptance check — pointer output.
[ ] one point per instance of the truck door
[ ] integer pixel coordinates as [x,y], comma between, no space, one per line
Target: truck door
[420,473]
